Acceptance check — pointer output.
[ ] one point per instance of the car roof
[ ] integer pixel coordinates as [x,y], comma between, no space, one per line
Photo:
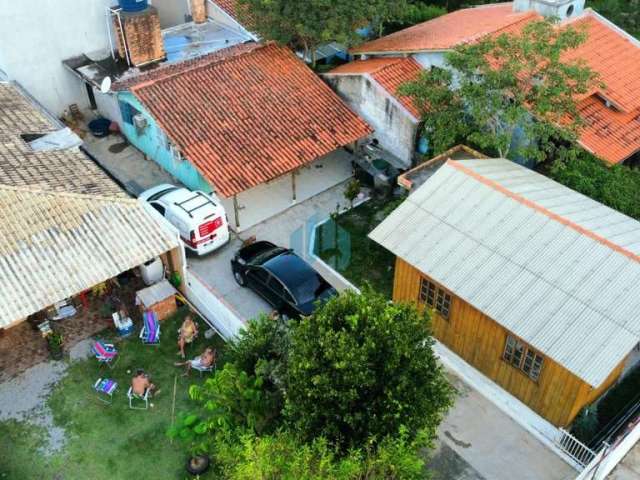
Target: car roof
[191,205]
[290,269]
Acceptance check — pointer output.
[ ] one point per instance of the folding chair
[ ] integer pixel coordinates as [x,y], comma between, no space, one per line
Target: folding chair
[123,324]
[105,387]
[106,353]
[135,397]
[150,333]
[201,370]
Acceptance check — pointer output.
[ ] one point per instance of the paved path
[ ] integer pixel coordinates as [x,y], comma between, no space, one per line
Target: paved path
[491,445]
[291,228]
[127,164]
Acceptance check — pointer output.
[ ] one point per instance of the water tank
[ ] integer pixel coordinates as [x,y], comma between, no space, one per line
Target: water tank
[133,5]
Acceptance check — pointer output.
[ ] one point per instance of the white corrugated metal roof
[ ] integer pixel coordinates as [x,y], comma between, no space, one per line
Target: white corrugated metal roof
[554,267]
[55,245]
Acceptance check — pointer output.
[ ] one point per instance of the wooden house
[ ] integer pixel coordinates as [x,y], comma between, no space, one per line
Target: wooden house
[531,283]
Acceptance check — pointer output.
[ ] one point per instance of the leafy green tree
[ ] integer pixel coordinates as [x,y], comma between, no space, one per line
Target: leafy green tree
[512,95]
[361,369]
[624,13]
[412,14]
[616,186]
[282,456]
[309,23]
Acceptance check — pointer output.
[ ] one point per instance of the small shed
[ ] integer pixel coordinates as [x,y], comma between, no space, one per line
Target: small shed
[159,298]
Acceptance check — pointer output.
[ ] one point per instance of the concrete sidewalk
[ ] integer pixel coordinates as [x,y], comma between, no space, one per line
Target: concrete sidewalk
[126,163]
[479,441]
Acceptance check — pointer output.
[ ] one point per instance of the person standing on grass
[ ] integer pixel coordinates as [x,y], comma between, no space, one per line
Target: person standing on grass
[187,334]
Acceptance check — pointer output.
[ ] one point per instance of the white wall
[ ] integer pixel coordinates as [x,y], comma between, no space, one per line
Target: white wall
[394,127]
[36,35]
[108,106]
[269,199]
[171,12]
[430,59]
[215,13]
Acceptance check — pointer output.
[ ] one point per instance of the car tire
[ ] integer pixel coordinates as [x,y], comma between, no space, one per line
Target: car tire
[239,278]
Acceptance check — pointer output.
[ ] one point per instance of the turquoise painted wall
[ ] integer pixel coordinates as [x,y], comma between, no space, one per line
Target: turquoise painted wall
[153,142]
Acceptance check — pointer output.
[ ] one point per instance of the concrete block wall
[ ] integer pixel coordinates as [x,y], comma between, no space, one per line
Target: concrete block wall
[199,11]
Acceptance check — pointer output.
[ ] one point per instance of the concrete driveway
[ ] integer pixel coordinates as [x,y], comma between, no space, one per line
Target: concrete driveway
[478,441]
[291,228]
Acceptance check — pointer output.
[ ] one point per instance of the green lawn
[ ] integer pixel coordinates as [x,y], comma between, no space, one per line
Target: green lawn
[109,442]
[349,250]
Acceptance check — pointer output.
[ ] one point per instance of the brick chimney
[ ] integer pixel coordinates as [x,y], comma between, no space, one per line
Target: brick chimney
[199,11]
[142,35]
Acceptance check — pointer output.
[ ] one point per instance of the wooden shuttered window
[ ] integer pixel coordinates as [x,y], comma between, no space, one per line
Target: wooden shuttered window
[435,297]
[523,357]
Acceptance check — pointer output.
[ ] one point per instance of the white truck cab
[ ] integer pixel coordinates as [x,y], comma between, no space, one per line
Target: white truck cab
[200,217]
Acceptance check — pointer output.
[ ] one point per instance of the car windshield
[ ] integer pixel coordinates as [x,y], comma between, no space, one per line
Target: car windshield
[308,290]
[262,257]
[161,193]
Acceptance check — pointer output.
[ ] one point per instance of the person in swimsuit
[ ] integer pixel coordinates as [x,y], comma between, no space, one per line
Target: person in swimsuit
[187,334]
[206,360]
[140,384]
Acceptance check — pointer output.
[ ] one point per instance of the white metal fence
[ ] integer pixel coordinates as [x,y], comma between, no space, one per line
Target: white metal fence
[574,448]
[211,306]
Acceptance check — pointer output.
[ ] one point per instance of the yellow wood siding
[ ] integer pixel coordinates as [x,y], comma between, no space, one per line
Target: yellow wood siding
[558,395]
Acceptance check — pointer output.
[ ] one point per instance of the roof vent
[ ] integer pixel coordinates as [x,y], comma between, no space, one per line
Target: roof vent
[561,9]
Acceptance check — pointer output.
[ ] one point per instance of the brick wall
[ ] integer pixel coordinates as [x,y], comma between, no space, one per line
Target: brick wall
[199,10]
[142,34]
[163,309]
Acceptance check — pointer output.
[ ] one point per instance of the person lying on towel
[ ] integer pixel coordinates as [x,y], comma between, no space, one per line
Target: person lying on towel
[203,362]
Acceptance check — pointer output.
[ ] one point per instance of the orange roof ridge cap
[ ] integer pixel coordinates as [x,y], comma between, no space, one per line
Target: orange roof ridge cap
[214,60]
[545,211]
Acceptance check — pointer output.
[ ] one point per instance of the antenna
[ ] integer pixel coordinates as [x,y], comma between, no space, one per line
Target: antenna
[105,86]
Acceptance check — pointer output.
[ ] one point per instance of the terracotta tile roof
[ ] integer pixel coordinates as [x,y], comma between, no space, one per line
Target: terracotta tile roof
[389,73]
[449,30]
[160,71]
[249,118]
[611,132]
[231,8]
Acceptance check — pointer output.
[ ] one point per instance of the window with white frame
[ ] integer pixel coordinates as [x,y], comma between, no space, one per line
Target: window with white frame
[521,356]
[435,297]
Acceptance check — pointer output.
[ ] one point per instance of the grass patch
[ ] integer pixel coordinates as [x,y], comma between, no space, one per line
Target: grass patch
[344,245]
[107,442]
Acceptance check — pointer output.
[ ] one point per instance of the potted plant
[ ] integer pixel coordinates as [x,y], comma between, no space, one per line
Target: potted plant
[190,429]
[54,342]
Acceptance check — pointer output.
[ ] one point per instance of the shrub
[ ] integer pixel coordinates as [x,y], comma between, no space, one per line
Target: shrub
[362,368]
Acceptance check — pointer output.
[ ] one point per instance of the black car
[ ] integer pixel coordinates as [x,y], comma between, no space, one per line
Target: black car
[281,277]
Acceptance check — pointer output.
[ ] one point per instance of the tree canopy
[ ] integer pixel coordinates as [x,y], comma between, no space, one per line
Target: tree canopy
[352,392]
[363,368]
[511,95]
[307,24]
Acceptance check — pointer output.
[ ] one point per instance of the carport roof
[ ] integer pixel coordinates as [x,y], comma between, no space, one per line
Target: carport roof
[249,116]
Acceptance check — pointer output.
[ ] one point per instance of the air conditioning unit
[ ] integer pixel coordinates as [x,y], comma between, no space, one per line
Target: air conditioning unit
[139,121]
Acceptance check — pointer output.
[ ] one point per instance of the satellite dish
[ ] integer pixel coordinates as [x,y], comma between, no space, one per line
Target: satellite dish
[105,86]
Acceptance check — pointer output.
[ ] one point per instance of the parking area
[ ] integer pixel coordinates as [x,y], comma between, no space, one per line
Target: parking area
[291,228]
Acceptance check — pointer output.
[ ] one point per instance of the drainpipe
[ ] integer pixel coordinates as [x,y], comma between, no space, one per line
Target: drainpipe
[293,185]
[236,211]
